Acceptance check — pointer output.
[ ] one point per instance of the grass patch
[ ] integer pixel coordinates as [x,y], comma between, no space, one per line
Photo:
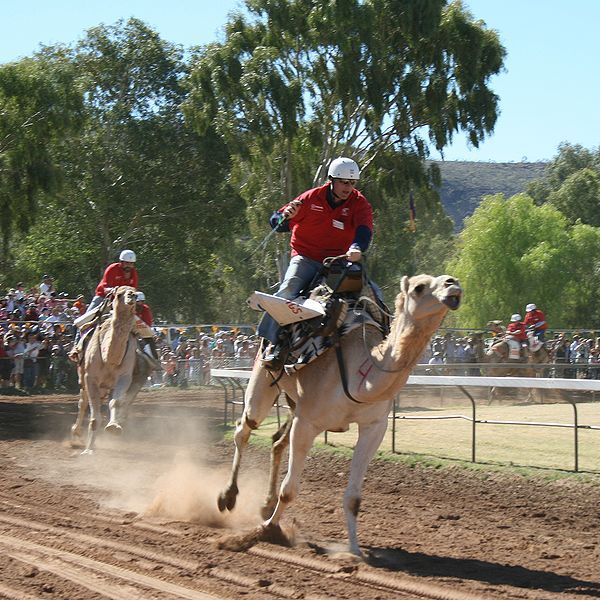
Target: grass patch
[529,451]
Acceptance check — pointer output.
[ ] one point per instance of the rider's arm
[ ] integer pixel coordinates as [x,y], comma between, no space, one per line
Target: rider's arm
[362,238]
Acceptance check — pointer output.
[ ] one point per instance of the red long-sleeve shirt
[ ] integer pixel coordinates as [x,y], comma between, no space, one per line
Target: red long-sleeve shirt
[517,330]
[145,314]
[536,319]
[319,231]
[114,276]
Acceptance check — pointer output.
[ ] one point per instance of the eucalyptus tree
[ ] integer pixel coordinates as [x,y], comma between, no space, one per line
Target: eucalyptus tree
[39,104]
[352,77]
[136,176]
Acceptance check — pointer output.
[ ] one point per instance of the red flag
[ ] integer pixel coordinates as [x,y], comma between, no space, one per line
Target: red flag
[412,213]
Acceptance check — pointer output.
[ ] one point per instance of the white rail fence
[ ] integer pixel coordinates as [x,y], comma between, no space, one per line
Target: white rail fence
[234,381]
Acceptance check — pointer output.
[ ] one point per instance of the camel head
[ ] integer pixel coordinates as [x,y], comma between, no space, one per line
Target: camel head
[123,303]
[425,300]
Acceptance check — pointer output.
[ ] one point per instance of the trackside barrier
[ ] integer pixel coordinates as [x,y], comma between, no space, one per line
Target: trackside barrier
[235,379]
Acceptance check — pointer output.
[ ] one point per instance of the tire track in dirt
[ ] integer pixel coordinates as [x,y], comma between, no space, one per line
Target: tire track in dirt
[350,577]
[65,565]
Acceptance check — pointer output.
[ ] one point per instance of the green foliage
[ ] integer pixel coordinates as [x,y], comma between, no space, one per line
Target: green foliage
[39,103]
[513,252]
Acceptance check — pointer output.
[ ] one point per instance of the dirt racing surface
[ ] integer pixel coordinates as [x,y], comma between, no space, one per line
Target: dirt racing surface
[138,519]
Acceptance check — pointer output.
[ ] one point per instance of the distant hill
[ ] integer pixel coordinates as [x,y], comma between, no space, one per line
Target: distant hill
[464,183]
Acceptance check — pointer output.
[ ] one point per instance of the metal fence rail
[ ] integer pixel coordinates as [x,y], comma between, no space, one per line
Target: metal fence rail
[236,379]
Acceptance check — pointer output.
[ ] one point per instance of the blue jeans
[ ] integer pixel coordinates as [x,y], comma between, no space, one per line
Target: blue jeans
[299,274]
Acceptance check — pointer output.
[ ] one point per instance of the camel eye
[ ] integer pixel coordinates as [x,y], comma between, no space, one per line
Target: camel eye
[419,289]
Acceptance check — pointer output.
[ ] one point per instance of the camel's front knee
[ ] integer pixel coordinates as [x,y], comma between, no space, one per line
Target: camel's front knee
[352,504]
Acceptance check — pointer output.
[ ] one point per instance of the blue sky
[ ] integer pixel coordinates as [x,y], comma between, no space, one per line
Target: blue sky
[549,93]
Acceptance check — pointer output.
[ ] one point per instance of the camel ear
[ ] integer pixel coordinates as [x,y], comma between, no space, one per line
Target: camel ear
[404,285]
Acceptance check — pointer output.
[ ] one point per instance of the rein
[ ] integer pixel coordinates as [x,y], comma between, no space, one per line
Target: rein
[364,300]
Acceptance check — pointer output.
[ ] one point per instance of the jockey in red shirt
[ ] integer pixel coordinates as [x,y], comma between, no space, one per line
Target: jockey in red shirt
[144,329]
[118,273]
[536,320]
[331,220]
[516,328]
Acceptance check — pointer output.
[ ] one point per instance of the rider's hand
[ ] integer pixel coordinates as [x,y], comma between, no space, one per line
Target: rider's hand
[291,210]
[354,254]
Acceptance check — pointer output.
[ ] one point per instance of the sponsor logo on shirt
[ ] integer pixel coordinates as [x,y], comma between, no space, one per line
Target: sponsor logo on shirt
[316,207]
[345,211]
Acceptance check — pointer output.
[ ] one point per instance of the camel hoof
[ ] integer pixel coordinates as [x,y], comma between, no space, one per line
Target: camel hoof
[227,499]
[87,452]
[274,534]
[114,427]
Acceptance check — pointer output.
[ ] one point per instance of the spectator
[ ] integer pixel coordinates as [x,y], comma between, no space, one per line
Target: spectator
[15,350]
[43,362]
[80,305]
[244,357]
[30,354]
[20,290]
[6,363]
[47,286]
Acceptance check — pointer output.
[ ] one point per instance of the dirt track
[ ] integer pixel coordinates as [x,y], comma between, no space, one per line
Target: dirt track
[139,519]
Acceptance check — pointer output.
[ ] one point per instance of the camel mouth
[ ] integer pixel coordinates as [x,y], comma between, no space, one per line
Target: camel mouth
[452,302]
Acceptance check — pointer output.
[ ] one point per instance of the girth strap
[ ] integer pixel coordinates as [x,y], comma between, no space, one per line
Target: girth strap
[342,368]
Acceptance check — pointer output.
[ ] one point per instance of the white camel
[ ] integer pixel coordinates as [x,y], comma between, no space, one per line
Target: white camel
[107,367]
[376,370]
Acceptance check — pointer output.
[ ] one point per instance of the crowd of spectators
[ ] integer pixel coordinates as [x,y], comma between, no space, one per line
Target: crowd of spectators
[37,333]
[188,358]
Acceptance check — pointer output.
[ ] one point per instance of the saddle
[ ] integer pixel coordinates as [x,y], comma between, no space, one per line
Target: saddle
[340,298]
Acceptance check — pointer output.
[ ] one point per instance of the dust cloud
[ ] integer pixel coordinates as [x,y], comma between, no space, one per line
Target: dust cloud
[160,467]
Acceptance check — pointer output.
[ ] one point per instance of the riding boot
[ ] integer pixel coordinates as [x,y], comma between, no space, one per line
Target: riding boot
[152,354]
[275,355]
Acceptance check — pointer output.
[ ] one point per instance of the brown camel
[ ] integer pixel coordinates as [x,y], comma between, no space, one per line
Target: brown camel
[107,366]
[376,370]
[498,353]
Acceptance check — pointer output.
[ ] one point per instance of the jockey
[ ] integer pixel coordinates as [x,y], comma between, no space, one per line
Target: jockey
[329,220]
[516,328]
[143,328]
[536,320]
[516,334]
[116,274]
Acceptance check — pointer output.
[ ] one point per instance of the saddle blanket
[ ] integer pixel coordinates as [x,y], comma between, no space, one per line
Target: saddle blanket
[315,346]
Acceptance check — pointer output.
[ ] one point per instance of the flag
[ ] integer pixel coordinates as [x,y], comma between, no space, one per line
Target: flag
[412,213]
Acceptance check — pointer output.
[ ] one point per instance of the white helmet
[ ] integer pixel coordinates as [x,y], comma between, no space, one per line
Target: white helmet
[516,317]
[140,297]
[127,256]
[530,307]
[343,168]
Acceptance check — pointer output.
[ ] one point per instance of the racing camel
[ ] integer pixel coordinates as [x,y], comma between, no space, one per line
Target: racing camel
[107,366]
[374,369]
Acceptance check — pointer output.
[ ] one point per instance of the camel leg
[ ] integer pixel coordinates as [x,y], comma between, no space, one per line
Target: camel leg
[369,439]
[302,436]
[120,389]
[77,427]
[140,376]
[281,440]
[94,398]
[259,398]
